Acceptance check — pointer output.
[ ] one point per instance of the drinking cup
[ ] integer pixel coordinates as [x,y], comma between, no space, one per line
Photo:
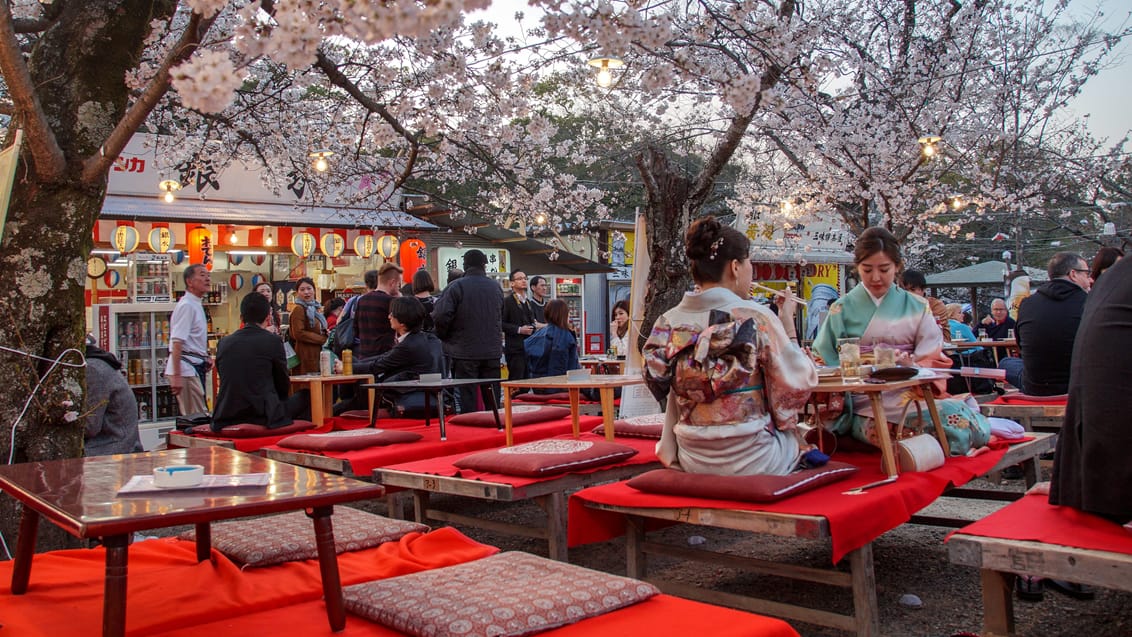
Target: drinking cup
[849,353]
[884,353]
[1010,334]
[982,333]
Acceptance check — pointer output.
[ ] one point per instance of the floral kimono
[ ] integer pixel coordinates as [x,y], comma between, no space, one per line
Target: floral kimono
[733,383]
[906,321]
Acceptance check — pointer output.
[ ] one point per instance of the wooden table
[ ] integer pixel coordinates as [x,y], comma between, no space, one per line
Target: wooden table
[994,344]
[597,363]
[874,391]
[322,400]
[604,383]
[436,388]
[79,495]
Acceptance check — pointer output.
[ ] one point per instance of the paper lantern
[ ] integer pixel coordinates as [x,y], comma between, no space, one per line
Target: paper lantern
[236,281]
[364,245]
[177,257]
[235,259]
[387,246]
[332,244]
[112,279]
[258,259]
[126,239]
[199,243]
[302,244]
[161,240]
[257,279]
[414,256]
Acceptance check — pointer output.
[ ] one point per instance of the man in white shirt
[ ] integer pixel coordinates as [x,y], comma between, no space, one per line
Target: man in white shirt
[188,344]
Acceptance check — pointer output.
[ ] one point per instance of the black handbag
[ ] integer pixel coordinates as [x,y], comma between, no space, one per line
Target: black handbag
[188,421]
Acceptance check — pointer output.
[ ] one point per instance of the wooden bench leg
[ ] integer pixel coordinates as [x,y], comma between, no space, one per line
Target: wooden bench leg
[554,504]
[998,603]
[635,565]
[865,613]
[420,506]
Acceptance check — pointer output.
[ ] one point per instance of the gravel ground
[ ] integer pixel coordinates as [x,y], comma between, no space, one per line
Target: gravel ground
[909,559]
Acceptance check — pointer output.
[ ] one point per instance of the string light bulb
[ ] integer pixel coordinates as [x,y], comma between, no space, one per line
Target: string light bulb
[605,66]
[169,186]
[320,163]
[540,219]
[233,238]
[268,241]
[929,146]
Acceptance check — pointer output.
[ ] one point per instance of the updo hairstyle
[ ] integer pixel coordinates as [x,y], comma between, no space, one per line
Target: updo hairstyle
[710,246]
[874,240]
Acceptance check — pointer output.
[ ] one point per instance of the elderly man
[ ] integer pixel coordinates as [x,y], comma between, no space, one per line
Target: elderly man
[998,325]
[1047,326]
[188,343]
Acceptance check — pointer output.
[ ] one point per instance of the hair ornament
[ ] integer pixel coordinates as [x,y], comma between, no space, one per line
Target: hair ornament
[715,248]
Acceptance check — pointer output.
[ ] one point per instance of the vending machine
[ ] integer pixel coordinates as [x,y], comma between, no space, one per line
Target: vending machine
[569,289]
[138,334]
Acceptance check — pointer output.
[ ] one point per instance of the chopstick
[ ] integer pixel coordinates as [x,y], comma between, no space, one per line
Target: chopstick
[788,294]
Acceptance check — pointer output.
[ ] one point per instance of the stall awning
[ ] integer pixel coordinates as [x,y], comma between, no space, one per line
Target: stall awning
[986,274]
[255,213]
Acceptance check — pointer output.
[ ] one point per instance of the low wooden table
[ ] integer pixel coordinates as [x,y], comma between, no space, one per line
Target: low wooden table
[604,383]
[435,388]
[79,495]
[598,364]
[874,391]
[993,344]
[322,400]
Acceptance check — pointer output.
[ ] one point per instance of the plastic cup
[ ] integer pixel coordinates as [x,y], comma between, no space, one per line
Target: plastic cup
[884,353]
[849,353]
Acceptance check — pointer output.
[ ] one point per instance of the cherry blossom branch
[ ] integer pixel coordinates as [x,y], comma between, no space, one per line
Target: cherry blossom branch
[95,166]
[46,154]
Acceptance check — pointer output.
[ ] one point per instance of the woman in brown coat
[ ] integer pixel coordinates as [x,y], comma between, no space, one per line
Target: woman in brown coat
[308,327]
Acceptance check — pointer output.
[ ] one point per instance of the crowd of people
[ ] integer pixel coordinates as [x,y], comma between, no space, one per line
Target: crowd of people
[731,407]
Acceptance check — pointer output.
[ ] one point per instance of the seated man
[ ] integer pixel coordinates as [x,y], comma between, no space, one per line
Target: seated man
[1047,326]
[112,409]
[1091,470]
[253,374]
[414,352]
[998,325]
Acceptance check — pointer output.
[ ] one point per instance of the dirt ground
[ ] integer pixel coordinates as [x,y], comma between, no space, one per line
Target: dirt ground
[909,559]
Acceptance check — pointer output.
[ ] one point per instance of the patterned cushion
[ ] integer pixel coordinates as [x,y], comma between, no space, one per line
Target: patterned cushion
[758,488]
[356,414]
[520,415]
[649,426]
[248,430]
[348,440]
[509,594]
[546,457]
[289,537]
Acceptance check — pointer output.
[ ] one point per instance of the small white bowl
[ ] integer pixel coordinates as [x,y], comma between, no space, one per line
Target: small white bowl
[186,475]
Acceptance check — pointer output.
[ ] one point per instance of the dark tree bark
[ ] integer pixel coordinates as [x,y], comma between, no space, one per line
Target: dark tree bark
[70,99]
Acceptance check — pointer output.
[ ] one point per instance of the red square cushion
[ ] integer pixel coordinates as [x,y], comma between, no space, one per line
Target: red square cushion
[248,430]
[546,457]
[649,426]
[1026,399]
[758,488]
[563,396]
[289,537]
[507,594]
[520,415]
[356,414]
[348,440]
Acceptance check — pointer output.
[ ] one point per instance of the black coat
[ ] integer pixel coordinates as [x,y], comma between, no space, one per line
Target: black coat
[468,317]
[418,353]
[516,315]
[1091,469]
[253,379]
[1046,329]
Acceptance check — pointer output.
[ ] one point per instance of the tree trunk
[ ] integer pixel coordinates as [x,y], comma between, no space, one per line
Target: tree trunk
[77,69]
[667,216]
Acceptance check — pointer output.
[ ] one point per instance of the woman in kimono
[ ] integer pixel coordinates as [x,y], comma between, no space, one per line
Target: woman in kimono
[732,381]
[878,309]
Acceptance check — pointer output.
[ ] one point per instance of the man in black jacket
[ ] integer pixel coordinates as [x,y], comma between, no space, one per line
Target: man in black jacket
[416,352]
[468,318]
[253,374]
[519,322]
[1047,326]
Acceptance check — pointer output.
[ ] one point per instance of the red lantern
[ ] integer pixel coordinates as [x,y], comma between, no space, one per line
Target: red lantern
[200,247]
[414,256]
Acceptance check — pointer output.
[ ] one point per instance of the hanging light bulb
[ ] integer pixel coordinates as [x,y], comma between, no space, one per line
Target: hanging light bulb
[540,219]
[320,163]
[604,67]
[233,238]
[268,241]
[929,145]
[169,186]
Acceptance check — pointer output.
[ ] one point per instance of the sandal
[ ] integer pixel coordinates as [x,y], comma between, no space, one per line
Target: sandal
[1029,588]
[1072,589]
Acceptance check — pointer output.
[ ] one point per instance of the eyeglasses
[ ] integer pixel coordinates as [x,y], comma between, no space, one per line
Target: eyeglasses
[1084,270]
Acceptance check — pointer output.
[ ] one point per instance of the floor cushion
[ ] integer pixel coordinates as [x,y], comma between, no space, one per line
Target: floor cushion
[520,415]
[546,457]
[503,595]
[356,414]
[289,537]
[248,430]
[348,440]
[649,426]
[756,488]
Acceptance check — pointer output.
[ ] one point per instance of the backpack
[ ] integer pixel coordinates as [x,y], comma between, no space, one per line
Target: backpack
[343,336]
